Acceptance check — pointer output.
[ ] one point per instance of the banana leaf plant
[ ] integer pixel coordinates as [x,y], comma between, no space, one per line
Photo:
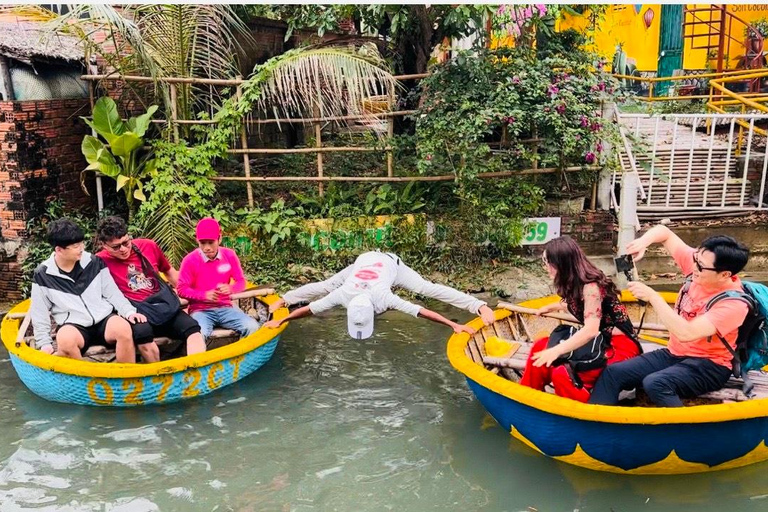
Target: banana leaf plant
[122,157]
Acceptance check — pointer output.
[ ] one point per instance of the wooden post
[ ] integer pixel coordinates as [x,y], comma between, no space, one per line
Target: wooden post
[5,78]
[244,144]
[99,188]
[630,183]
[319,144]
[174,113]
[390,134]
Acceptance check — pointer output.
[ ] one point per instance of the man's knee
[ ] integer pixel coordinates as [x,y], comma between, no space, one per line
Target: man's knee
[250,325]
[118,329]
[654,384]
[68,339]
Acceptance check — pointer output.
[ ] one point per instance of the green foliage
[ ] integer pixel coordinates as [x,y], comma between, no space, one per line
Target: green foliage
[277,224]
[181,182]
[512,96]
[363,200]
[678,107]
[124,158]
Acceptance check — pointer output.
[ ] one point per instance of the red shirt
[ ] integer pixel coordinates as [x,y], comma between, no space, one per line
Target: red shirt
[129,274]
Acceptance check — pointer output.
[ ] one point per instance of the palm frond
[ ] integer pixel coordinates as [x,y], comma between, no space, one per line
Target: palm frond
[329,81]
[173,230]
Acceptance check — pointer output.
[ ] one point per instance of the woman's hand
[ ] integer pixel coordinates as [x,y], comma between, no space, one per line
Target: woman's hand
[546,357]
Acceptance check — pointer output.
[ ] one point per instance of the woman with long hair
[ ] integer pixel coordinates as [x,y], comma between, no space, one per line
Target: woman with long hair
[571,358]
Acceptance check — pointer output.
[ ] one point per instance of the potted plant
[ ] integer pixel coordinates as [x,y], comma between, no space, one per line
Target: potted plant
[757,31]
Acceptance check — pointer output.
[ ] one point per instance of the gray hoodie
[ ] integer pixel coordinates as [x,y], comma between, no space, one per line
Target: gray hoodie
[84,302]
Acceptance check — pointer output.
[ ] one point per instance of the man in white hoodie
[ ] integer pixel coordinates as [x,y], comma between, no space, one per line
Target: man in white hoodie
[78,290]
[365,289]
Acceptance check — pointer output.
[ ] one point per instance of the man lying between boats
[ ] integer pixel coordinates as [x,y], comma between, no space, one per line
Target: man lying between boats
[365,289]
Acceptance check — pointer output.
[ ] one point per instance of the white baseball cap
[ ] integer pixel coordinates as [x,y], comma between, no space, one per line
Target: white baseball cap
[360,317]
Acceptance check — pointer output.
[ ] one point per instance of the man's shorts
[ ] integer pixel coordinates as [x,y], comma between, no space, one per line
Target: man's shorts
[180,327]
[93,335]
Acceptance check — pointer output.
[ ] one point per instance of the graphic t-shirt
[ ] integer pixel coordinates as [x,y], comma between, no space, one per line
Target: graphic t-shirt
[129,274]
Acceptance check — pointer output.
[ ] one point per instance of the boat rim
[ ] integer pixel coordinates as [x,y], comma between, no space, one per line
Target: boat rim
[553,404]
[68,366]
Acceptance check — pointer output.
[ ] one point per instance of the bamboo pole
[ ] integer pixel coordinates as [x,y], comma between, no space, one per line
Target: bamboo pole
[206,81]
[566,317]
[279,151]
[174,112]
[445,177]
[244,145]
[390,134]
[99,187]
[319,146]
[23,330]
[289,120]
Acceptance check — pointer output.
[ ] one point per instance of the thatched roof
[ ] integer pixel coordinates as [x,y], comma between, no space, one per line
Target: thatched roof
[27,42]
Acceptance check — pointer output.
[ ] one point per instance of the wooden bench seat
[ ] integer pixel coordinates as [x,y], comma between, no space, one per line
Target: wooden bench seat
[512,369]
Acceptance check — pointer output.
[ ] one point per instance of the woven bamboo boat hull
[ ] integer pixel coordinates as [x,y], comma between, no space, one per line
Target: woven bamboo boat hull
[721,434]
[128,385]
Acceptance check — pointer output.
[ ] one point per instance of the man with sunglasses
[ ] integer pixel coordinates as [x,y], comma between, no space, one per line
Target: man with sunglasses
[695,361]
[135,266]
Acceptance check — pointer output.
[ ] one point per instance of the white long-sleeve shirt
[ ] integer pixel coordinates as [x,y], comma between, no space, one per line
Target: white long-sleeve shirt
[375,273]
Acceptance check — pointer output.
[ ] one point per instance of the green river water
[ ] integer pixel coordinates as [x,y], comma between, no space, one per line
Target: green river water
[329,423]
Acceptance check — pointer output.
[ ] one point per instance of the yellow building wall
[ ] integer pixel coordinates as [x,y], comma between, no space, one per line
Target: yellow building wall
[624,25]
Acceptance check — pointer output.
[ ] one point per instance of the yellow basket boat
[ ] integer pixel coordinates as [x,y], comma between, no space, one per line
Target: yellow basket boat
[717,431]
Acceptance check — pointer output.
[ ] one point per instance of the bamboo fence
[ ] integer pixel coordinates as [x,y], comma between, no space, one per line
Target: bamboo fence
[316,121]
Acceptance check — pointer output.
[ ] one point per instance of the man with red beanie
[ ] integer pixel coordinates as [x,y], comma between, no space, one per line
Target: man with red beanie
[208,276]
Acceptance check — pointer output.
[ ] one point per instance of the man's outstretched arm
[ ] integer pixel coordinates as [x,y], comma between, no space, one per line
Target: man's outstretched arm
[440,319]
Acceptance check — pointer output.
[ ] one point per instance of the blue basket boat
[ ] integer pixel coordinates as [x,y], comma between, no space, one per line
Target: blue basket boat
[125,385]
[718,431]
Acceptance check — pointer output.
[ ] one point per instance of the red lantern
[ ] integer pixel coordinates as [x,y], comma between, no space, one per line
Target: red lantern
[648,17]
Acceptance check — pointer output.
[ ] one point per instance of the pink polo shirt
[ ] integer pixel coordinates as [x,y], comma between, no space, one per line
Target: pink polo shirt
[198,275]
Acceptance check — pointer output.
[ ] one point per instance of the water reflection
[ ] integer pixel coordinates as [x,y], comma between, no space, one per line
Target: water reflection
[329,424]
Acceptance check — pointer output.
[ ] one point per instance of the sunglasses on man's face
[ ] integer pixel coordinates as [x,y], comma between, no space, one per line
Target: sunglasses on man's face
[700,268]
[124,244]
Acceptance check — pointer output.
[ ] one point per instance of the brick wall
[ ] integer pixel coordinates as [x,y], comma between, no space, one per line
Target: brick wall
[40,160]
[594,230]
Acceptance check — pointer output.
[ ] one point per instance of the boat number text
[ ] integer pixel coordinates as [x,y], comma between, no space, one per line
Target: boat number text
[157,388]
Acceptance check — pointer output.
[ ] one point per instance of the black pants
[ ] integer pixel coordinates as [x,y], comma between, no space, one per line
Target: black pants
[180,327]
[666,378]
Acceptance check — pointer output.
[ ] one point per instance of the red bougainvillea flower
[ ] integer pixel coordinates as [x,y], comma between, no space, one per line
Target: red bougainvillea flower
[590,157]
